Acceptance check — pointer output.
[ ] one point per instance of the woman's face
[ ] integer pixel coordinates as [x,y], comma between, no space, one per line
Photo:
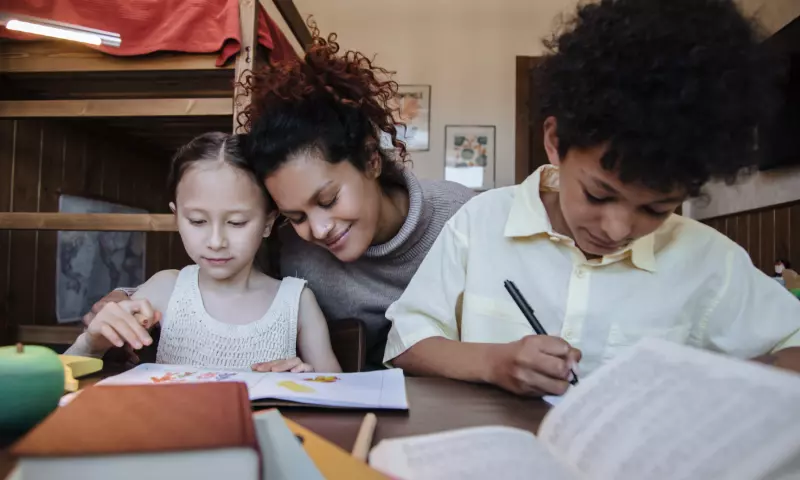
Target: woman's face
[332,205]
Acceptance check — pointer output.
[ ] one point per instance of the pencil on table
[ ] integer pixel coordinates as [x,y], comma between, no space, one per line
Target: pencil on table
[364,439]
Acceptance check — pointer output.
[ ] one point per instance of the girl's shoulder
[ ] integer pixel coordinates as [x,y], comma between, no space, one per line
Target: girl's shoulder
[158,288]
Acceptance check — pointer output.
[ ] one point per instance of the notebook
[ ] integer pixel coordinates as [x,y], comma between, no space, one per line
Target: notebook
[384,389]
[198,431]
[659,411]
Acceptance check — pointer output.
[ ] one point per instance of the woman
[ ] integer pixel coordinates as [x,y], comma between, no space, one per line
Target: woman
[357,224]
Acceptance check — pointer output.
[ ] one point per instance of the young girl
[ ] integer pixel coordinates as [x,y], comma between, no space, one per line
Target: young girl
[220,312]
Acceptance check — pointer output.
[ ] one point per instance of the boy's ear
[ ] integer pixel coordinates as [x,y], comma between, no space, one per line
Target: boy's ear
[271,217]
[550,128]
[172,207]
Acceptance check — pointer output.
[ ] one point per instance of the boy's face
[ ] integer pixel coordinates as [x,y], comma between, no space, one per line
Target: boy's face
[602,214]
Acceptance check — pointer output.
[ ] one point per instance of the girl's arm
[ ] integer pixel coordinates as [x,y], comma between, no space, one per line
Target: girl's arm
[158,289]
[115,322]
[313,339]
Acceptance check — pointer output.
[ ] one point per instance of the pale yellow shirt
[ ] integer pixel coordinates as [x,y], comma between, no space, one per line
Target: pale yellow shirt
[685,282]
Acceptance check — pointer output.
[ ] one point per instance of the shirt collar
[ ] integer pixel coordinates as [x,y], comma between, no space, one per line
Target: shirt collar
[528,218]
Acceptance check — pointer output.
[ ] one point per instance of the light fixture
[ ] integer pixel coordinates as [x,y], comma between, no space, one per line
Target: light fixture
[66,31]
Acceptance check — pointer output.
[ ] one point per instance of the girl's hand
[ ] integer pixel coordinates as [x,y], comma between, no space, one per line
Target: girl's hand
[294,365]
[122,323]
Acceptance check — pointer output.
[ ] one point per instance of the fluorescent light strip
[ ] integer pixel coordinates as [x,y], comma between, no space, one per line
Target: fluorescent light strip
[63,33]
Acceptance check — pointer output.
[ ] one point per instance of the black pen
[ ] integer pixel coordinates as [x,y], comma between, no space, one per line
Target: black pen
[527,312]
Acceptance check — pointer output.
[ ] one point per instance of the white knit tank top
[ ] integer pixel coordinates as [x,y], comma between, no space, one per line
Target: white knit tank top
[190,336]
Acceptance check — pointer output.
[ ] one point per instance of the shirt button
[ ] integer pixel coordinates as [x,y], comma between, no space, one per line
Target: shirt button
[555,239]
[580,272]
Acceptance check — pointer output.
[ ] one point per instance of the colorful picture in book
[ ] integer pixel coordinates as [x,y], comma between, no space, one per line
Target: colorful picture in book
[323,379]
[183,377]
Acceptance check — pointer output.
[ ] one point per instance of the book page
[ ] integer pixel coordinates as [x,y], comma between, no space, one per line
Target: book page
[667,411]
[377,389]
[383,389]
[473,453]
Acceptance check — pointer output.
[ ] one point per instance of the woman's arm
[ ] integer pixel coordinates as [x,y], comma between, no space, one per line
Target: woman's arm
[108,326]
[313,338]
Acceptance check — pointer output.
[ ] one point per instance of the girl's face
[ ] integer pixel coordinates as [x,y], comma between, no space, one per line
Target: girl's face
[335,206]
[221,215]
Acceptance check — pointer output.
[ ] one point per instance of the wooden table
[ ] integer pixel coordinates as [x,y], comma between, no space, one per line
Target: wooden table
[435,405]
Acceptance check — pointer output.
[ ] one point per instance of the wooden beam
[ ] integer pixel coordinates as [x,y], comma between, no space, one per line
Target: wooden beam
[93,222]
[295,22]
[60,57]
[48,335]
[246,60]
[160,107]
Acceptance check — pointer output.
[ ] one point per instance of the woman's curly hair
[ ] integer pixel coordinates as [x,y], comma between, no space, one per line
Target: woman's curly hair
[675,87]
[337,105]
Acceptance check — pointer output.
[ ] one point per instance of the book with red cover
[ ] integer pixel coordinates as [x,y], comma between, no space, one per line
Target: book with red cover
[198,431]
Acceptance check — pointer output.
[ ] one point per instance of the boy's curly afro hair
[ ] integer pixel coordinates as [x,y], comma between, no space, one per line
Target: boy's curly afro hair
[675,87]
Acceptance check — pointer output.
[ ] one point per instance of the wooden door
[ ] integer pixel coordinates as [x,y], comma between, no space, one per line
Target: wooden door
[530,152]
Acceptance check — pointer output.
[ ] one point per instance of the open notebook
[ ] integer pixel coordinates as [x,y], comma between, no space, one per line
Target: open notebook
[659,411]
[384,389]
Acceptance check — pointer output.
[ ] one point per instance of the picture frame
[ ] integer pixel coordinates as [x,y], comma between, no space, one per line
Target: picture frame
[470,155]
[412,116]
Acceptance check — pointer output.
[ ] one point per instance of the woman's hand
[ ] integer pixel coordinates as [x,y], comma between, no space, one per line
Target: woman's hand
[293,365]
[118,324]
[115,296]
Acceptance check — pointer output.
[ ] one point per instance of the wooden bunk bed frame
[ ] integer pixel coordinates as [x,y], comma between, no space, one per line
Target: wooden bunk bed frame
[48,61]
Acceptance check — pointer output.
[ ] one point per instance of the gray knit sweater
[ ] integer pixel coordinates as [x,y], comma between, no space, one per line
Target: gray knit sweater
[365,288]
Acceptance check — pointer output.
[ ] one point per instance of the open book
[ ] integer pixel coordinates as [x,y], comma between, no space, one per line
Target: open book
[385,389]
[659,411]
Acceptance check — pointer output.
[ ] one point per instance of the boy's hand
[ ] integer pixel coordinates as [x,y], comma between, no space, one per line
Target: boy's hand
[116,296]
[534,365]
[126,322]
[294,365]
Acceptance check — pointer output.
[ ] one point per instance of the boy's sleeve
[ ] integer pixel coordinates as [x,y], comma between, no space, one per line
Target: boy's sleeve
[755,314]
[430,305]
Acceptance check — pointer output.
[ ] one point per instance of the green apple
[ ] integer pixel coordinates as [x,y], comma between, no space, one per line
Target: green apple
[31,384]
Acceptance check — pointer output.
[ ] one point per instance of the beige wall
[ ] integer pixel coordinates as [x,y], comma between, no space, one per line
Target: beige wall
[772,14]
[464,49]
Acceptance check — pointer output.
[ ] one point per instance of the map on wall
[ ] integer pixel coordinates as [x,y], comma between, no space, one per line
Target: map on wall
[91,264]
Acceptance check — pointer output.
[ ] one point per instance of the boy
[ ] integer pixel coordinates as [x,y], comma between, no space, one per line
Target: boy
[644,101]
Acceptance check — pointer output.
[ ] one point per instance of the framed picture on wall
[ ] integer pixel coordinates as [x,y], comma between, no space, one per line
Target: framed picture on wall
[91,264]
[412,107]
[470,155]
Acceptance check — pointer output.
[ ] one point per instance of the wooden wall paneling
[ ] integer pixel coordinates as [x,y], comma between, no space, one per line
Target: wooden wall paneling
[7,147]
[767,240]
[25,184]
[794,236]
[754,238]
[93,166]
[767,234]
[782,238]
[53,151]
[74,155]
[743,232]
[39,161]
